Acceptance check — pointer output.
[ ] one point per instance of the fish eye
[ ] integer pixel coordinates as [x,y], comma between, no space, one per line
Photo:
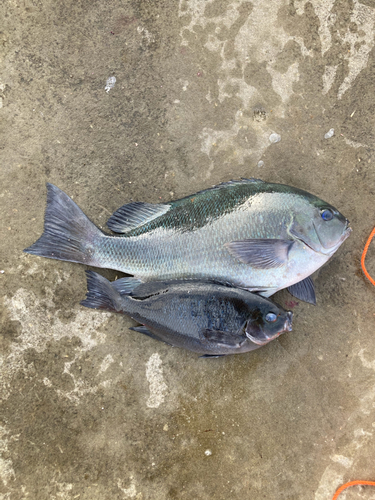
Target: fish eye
[271,317]
[326,214]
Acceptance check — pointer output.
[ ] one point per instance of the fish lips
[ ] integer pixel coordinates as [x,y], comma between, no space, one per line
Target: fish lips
[262,338]
[333,249]
[345,235]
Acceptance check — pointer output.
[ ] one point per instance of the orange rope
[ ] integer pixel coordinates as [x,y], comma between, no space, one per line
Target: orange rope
[352,483]
[364,256]
[359,482]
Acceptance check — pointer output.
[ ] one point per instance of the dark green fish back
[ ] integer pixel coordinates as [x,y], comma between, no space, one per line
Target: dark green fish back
[195,211]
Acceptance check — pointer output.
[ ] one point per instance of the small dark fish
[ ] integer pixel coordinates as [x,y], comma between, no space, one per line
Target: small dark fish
[252,234]
[206,318]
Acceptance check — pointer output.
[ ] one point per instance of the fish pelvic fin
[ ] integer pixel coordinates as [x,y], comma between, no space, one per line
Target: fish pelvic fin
[101,294]
[304,290]
[68,234]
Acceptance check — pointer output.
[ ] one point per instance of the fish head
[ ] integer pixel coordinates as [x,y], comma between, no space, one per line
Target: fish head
[267,322]
[320,226]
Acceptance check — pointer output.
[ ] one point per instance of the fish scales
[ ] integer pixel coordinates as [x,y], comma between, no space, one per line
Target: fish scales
[203,317]
[248,233]
[189,240]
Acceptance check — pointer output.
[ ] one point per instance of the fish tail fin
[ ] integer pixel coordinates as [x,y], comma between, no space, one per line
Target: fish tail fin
[101,294]
[68,234]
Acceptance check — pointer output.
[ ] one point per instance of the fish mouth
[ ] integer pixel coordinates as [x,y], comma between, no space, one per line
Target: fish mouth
[263,341]
[288,322]
[286,328]
[346,233]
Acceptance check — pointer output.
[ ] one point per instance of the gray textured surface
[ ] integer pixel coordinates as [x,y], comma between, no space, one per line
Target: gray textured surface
[91,410]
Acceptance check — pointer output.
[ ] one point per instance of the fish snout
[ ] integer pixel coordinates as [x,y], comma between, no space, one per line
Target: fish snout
[288,322]
[348,231]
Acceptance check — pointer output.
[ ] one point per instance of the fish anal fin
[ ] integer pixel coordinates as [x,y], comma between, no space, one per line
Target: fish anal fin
[144,329]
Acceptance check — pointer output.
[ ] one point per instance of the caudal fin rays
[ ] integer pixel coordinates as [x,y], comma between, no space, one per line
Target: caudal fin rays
[68,233]
[101,294]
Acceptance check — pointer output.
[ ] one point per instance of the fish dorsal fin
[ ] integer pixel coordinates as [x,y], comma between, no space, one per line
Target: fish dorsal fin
[135,214]
[243,180]
[125,286]
[222,185]
[239,182]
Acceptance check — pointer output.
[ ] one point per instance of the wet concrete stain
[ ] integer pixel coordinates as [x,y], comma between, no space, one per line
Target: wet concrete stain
[92,410]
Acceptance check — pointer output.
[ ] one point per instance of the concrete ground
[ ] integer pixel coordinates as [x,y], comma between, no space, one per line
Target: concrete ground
[91,410]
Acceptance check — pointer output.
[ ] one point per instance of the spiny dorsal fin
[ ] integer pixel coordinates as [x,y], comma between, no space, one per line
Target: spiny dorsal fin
[242,180]
[239,182]
[135,214]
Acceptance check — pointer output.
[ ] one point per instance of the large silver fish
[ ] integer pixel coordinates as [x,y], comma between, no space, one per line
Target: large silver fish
[252,234]
[206,318]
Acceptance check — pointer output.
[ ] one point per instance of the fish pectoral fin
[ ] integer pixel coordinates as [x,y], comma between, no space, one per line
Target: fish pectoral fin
[135,214]
[304,290]
[262,253]
[223,339]
[143,329]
